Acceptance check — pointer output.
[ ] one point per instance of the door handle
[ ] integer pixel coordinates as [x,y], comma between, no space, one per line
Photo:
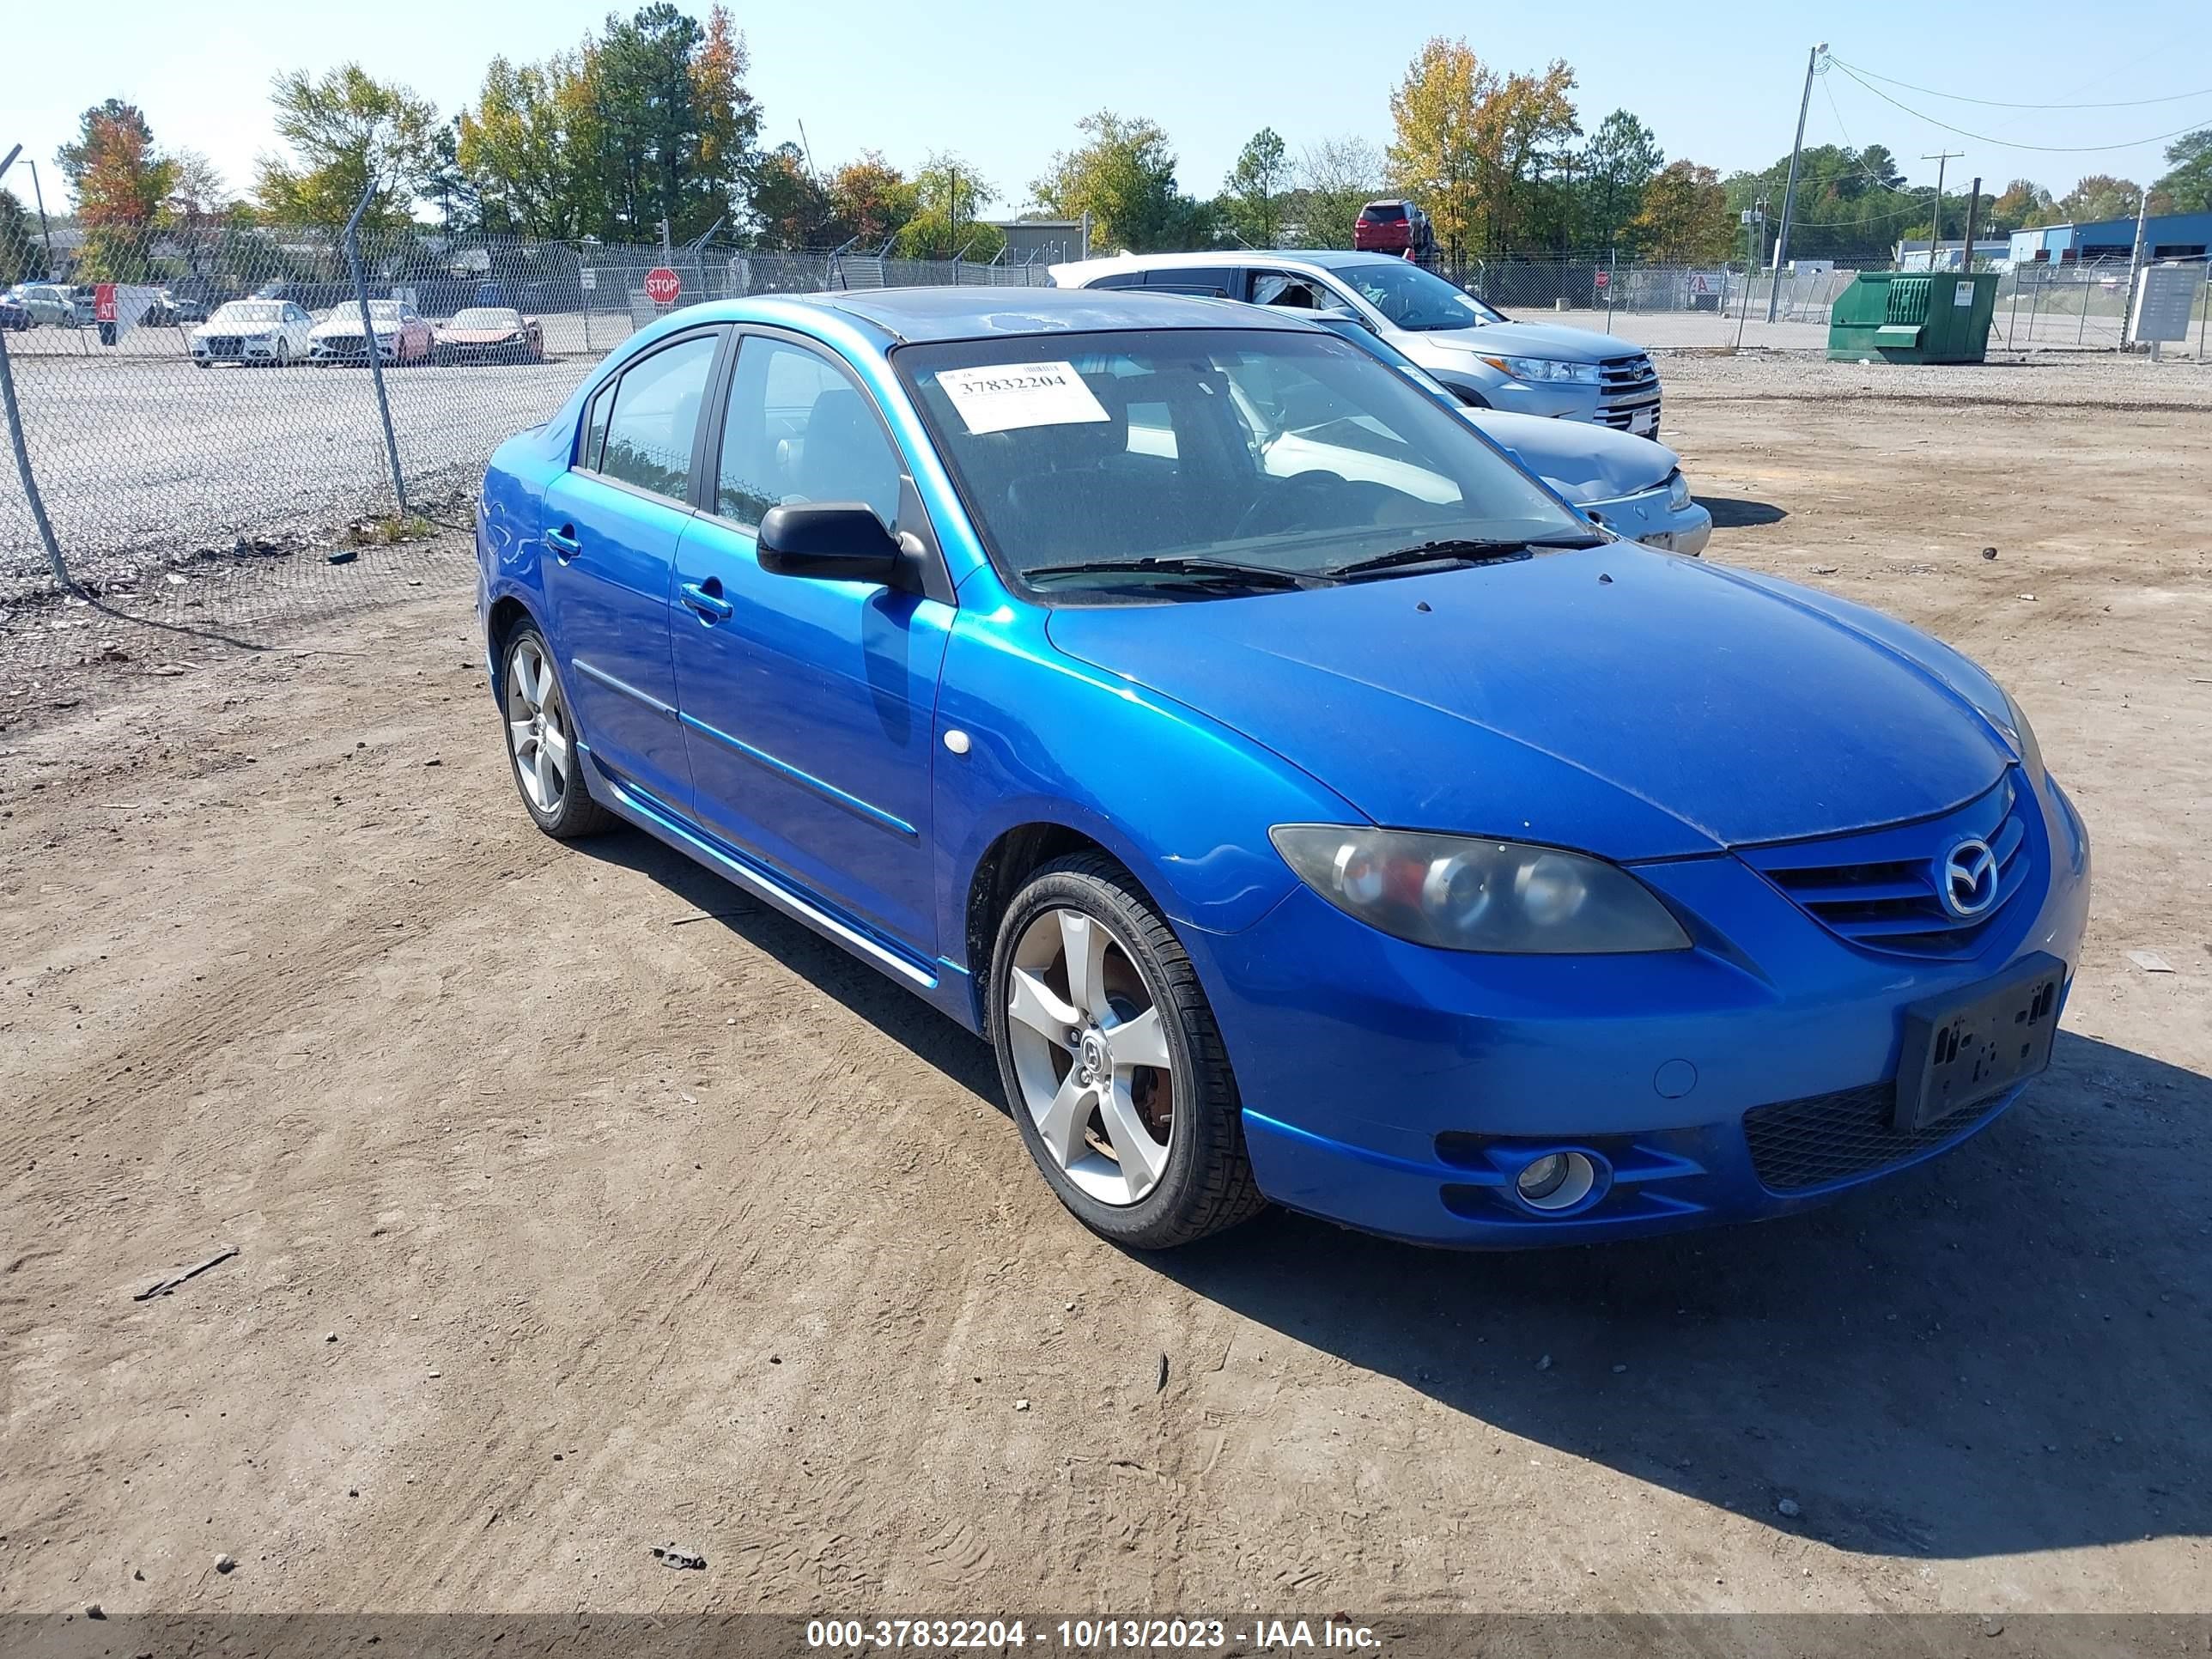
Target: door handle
[563,543]
[710,607]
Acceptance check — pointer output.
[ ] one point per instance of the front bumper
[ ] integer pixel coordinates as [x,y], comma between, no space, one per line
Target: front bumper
[1396,1088]
[1646,517]
[350,348]
[235,351]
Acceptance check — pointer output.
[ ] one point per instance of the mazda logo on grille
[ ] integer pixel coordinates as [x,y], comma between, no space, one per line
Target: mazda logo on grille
[1967,878]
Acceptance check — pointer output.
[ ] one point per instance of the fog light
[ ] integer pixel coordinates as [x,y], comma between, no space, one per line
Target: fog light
[1557,1180]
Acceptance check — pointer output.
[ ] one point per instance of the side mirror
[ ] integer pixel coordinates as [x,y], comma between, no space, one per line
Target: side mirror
[1341,317]
[833,541]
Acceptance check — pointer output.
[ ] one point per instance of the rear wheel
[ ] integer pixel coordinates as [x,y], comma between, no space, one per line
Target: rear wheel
[1111,1060]
[541,742]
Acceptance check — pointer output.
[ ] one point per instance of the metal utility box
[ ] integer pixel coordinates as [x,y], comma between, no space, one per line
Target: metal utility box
[1906,317]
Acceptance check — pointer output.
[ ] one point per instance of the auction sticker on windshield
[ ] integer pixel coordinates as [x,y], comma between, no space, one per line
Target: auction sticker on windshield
[1000,397]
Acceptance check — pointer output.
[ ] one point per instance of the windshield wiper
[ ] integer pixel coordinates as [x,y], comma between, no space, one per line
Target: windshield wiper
[1217,570]
[1459,552]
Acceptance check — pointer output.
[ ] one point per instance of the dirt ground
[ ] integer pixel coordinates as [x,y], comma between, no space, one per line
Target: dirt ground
[580,1208]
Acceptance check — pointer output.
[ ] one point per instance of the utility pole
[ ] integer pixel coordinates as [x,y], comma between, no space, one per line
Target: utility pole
[2135,268]
[1789,194]
[1973,210]
[1935,234]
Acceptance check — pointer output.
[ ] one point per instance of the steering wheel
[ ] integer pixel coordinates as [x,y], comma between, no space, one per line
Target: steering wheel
[1284,499]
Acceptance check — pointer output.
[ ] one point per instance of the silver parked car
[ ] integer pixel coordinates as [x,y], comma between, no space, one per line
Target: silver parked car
[1483,357]
[1634,487]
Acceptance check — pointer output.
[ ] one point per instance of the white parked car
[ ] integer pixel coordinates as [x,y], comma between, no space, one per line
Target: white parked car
[270,332]
[403,335]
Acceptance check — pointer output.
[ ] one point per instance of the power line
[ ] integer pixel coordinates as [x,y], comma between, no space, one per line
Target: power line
[1999,103]
[2002,143]
[1858,166]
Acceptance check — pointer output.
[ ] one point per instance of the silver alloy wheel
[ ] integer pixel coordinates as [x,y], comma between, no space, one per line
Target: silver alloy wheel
[1090,1055]
[538,727]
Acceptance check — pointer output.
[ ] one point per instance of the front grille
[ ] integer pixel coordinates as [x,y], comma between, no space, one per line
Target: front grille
[225,345]
[1877,889]
[1626,386]
[1798,1144]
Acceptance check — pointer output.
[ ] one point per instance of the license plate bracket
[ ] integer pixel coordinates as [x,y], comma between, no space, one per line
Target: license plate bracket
[1644,424]
[1960,1052]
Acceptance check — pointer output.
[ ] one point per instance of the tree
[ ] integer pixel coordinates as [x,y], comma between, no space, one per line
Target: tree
[1684,218]
[349,132]
[947,194]
[1252,195]
[1337,177]
[870,200]
[122,186]
[2187,188]
[2022,201]
[1124,179]
[1617,163]
[2100,196]
[108,115]
[729,119]
[22,259]
[1467,139]
[790,208]
[199,196]
[520,151]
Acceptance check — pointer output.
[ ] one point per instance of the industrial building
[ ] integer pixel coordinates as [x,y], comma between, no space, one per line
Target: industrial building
[2165,236]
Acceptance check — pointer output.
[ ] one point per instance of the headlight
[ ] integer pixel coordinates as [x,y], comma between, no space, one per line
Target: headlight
[2023,738]
[1458,893]
[1678,490]
[1545,370]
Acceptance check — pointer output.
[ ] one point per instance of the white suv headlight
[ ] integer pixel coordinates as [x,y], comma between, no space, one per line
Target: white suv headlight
[1460,893]
[1677,490]
[1542,370]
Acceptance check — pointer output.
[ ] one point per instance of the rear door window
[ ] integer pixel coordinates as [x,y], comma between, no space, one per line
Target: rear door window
[652,419]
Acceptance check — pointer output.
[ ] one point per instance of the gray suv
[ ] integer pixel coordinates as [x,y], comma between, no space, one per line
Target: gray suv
[1483,357]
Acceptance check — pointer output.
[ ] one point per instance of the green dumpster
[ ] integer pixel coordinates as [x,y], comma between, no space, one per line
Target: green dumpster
[1912,317]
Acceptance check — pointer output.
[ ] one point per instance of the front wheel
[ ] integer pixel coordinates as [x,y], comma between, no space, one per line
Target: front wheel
[541,741]
[1111,1060]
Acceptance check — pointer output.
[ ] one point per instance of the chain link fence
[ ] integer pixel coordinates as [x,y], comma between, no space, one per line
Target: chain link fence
[2082,307]
[190,396]
[1661,306]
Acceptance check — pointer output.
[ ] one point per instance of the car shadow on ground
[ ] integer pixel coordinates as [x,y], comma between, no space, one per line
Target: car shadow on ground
[2002,1351]
[1733,512]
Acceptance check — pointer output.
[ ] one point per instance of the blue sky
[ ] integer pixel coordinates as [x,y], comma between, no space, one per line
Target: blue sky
[1004,84]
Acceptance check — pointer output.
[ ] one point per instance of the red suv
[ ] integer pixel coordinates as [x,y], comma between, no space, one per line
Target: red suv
[1394,227]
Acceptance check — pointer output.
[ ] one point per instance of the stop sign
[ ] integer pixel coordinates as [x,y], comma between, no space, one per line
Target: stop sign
[662,285]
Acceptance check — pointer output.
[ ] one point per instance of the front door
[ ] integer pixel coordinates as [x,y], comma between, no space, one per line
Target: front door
[611,526]
[808,706]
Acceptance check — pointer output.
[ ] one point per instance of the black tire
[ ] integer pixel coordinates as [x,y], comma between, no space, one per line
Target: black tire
[572,814]
[1207,1184]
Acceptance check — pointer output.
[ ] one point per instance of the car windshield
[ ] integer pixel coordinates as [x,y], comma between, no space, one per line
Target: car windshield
[1290,453]
[486,317]
[1413,298]
[240,314]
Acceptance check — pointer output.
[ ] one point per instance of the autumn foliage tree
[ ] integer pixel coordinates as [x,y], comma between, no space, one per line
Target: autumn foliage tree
[122,188]
[1468,141]
[1685,217]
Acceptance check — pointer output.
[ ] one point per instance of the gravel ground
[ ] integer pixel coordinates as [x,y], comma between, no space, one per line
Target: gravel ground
[638,1215]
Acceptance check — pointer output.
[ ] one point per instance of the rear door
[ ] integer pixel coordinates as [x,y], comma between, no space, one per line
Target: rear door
[611,526]
[809,706]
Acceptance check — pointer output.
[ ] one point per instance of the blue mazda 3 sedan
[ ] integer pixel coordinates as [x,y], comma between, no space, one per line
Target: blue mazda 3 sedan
[1304,803]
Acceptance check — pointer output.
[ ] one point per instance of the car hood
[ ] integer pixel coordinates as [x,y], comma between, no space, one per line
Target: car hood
[476,335]
[347,325]
[1583,462]
[1574,345]
[1615,699]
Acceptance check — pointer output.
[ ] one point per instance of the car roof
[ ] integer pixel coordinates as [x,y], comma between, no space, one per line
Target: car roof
[916,314]
[1322,259]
